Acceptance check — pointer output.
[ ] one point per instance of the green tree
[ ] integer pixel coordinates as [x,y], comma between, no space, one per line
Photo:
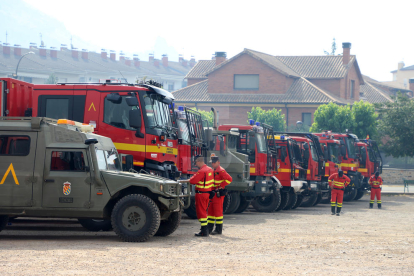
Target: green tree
[333,49]
[207,115]
[53,79]
[396,126]
[365,120]
[333,117]
[272,117]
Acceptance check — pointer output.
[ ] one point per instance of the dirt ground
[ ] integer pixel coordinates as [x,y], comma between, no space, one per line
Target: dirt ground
[302,241]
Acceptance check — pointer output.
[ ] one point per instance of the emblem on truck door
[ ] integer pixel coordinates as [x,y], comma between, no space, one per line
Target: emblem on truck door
[66,188]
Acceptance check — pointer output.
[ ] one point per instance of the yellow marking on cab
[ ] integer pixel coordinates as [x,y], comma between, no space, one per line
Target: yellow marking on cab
[363,170]
[7,173]
[285,170]
[308,172]
[348,165]
[129,147]
[143,148]
[162,150]
[92,105]
[252,170]
[139,163]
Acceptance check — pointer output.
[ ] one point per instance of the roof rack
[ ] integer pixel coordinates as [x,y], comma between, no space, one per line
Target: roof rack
[100,83]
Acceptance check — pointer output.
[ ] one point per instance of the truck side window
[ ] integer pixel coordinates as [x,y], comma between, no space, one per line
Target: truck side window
[57,108]
[117,114]
[112,160]
[67,161]
[100,155]
[14,145]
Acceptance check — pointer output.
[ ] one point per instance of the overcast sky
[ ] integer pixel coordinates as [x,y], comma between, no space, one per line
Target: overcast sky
[381,34]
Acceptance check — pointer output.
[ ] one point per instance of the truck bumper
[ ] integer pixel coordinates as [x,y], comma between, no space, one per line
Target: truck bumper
[260,188]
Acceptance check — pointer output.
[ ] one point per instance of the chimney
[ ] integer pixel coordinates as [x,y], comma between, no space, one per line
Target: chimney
[53,52]
[157,62]
[33,45]
[17,50]
[184,63]
[151,57]
[121,56]
[42,51]
[128,61]
[75,53]
[63,47]
[401,65]
[6,48]
[346,56]
[104,54]
[220,57]
[137,63]
[192,61]
[165,60]
[213,57]
[411,87]
[85,54]
[180,58]
[112,55]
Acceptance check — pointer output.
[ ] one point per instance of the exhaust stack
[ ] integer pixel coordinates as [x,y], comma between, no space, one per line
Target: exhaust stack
[214,118]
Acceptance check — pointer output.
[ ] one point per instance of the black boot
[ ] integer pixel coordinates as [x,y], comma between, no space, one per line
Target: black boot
[218,230]
[379,205]
[210,227]
[338,210]
[333,210]
[203,232]
[371,205]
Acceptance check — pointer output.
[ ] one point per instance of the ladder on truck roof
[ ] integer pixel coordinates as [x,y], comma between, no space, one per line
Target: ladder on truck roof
[271,149]
[196,134]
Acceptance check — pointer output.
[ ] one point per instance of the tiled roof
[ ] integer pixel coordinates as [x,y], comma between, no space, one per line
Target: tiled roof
[384,86]
[373,94]
[301,91]
[199,70]
[411,67]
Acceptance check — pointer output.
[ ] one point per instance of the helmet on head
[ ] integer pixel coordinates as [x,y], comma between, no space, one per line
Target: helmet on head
[214,158]
[341,173]
[377,173]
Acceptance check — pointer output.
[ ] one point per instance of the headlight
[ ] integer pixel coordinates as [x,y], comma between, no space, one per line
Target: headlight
[314,186]
[263,189]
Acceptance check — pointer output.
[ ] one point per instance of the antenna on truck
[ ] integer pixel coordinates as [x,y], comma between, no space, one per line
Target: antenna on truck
[123,76]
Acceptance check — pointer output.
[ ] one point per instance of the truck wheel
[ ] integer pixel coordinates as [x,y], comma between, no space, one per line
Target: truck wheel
[284,201]
[293,197]
[309,200]
[226,203]
[268,203]
[318,200]
[244,203]
[167,227]
[191,210]
[234,203]
[350,194]
[135,218]
[360,194]
[326,198]
[96,225]
[298,202]
[3,222]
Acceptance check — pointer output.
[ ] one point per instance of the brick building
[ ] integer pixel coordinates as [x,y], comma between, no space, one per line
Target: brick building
[295,84]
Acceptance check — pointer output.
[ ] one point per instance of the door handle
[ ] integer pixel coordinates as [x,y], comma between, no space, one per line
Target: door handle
[49,180]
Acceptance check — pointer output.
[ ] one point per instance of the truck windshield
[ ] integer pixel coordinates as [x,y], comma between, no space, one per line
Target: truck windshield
[157,113]
[350,146]
[314,153]
[261,143]
[333,150]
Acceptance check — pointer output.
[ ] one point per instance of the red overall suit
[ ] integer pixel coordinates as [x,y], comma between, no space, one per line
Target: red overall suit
[376,183]
[203,181]
[215,211]
[337,185]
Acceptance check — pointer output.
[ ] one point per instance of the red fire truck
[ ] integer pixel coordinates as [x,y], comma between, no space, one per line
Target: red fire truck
[349,162]
[136,117]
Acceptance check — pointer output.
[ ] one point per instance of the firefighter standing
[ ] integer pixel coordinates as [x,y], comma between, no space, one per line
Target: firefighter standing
[203,181]
[215,210]
[337,182]
[376,186]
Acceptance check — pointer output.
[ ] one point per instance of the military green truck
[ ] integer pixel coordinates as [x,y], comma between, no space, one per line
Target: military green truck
[52,169]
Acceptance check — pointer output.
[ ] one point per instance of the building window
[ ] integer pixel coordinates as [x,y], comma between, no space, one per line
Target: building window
[307,119]
[14,145]
[246,82]
[352,89]
[395,77]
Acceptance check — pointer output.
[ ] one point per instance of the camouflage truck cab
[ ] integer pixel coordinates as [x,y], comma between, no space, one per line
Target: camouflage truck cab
[53,169]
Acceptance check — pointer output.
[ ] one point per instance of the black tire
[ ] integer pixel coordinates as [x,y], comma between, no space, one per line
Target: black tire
[318,200]
[326,198]
[191,210]
[127,215]
[298,202]
[226,203]
[350,194]
[3,222]
[309,200]
[168,226]
[284,201]
[234,203]
[360,194]
[293,197]
[244,203]
[96,225]
[269,203]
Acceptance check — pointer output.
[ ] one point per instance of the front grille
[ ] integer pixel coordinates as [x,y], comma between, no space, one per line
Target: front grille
[172,189]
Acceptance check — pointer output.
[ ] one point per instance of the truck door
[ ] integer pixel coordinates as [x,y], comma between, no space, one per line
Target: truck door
[67,179]
[17,155]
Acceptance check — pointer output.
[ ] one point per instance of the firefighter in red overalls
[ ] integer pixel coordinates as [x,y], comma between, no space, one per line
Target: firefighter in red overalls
[376,186]
[338,182]
[203,181]
[215,210]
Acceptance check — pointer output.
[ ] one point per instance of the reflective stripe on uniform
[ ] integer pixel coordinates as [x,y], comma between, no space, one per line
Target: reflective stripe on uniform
[203,221]
[333,203]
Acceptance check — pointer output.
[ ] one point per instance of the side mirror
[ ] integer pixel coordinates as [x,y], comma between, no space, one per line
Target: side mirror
[132,101]
[283,154]
[114,97]
[222,148]
[343,151]
[306,153]
[127,162]
[209,134]
[180,141]
[325,153]
[135,118]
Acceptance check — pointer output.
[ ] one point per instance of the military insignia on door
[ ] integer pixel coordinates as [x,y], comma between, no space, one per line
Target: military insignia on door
[66,188]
